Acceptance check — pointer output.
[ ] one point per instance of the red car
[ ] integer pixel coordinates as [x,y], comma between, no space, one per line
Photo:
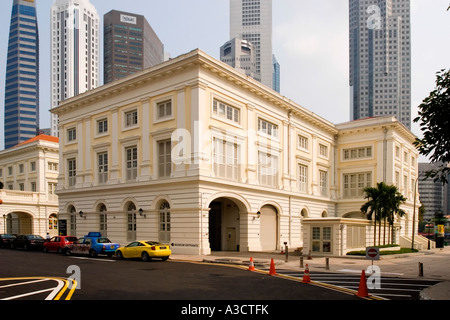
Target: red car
[58,243]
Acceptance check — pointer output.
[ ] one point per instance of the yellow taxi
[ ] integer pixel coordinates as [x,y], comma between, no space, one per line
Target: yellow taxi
[146,250]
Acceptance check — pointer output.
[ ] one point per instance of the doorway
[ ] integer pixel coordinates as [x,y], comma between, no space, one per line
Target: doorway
[224,228]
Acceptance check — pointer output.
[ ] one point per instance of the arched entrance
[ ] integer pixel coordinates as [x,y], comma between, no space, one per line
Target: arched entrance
[19,223]
[269,228]
[224,225]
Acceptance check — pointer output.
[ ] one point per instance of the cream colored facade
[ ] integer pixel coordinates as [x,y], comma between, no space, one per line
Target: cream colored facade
[29,174]
[195,154]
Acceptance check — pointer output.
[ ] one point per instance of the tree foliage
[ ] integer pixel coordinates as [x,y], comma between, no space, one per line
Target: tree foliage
[383,203]
[434,115]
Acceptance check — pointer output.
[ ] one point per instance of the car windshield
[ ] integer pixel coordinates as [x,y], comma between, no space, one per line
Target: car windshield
[153,243]
[32,237]
[8,236]
[71,239]
[103,240]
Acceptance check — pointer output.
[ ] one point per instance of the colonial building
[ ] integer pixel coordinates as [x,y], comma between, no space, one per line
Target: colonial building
[28,176]
[196,154]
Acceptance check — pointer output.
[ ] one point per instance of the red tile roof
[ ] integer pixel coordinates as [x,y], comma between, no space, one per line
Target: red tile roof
[40,137]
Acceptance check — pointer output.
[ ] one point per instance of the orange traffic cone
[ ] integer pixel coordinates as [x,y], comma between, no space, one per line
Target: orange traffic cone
[272,271]
[252,266]
[363,291]
[306,276]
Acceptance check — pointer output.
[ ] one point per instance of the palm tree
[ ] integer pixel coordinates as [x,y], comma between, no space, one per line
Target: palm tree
[383,203]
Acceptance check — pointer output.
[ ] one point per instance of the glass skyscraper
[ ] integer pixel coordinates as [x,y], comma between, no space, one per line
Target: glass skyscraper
[380,59]
[22,75]
[75,51]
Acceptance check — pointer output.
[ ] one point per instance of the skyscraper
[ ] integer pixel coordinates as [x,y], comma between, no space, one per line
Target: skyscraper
[251,20]
[22,75]
[130,45]
[75,51]
[241,55]
[380,59]
[276,74]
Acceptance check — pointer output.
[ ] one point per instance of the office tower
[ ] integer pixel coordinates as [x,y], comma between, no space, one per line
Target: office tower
[276,75]
[434,196]
[241,55]
[251,20]
[130,45]
[75,51]
[380,59]
[22,75]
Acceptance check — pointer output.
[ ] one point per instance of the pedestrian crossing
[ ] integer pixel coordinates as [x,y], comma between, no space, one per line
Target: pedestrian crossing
[385,287]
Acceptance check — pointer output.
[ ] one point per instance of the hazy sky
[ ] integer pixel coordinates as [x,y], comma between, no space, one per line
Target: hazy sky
[310,41]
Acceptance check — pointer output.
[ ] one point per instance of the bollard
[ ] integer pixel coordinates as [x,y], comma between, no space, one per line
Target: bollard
[286,253]
[420,269]
[327,261]
[301,261]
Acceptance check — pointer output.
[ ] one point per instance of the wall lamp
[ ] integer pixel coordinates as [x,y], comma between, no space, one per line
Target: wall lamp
[81,213]
[258,215]
[141,213]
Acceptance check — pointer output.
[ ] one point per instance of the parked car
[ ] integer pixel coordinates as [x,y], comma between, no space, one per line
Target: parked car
[146,250]
[28,242]
[5,240]
[93,244]
[58,243]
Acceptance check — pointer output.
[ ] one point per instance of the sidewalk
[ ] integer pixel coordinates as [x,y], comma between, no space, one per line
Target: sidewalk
[425,265]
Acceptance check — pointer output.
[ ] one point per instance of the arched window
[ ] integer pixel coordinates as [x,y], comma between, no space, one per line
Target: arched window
[73,220]
[131,222]
[103,217]
[164,222]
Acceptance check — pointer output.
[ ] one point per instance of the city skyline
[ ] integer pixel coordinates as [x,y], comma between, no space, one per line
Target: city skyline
[310,40]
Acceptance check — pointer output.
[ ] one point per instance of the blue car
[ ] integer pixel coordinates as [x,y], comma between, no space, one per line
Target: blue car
[93,244]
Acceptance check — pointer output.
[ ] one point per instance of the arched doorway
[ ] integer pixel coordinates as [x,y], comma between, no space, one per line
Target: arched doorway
[19,223]
[269,228]
[224,225]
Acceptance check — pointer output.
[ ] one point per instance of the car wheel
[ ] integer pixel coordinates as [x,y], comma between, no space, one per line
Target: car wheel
[119,255]
[60,250]
[25,247]
[67,252]
[165,258]
[45,250]
[92,254]
[145,257]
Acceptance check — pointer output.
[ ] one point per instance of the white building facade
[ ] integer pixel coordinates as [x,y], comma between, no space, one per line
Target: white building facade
[194,153]
[29,174]
[75,51]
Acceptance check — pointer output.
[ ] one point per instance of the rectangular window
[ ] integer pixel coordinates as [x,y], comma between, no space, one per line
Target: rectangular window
[303,142]
[323,150]
[323,183]
[355,183]
[226,160]
[321,239]
[102,126]
[268,169]
[225,111]
[131,118]
[165,158]
[267,128]
[164,109]
[131,163]
[303,178]
[102,168]
[71,134]
[72,172]
[357,153]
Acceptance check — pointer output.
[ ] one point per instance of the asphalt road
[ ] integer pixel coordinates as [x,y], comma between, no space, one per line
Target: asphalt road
[111,279]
